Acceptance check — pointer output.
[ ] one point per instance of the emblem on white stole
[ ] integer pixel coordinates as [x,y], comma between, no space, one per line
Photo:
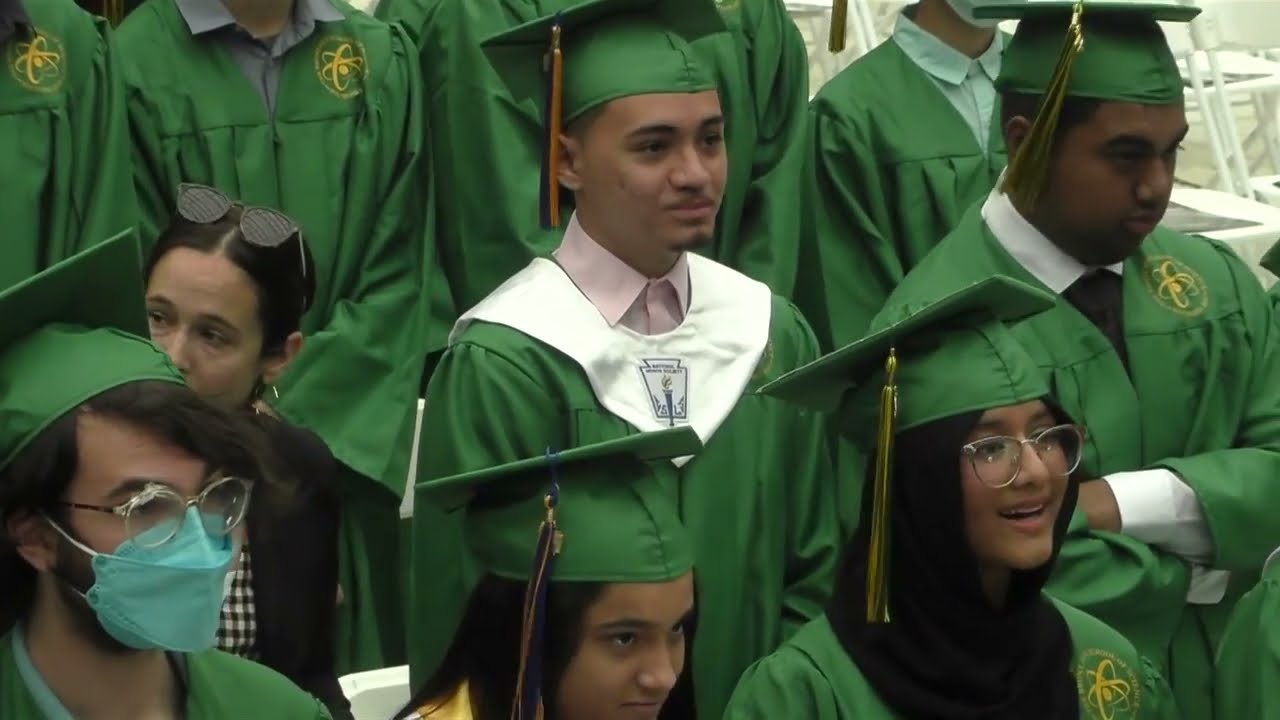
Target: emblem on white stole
[668,385]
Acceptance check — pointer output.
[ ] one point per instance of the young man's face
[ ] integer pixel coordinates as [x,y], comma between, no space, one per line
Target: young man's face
[114,460]
[1111,179]
[649,171]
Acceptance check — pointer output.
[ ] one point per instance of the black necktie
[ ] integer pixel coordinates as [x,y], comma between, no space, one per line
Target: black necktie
[1099,296]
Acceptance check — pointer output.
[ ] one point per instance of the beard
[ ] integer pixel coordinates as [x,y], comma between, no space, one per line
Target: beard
[697,242]
[73,576]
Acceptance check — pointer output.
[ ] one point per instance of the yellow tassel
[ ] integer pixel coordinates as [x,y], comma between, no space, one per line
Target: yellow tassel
[114,11]
[554,128]
[878,552]
[1029,170]
[839,19]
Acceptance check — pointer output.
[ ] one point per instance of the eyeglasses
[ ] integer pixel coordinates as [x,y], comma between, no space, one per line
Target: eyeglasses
[154,515]
[998,460]
[261,226]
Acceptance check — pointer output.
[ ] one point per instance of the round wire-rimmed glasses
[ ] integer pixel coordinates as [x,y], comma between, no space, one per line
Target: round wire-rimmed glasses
[997,460]
[155,514]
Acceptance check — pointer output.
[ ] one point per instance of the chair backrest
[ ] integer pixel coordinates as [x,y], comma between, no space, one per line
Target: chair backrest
[377,694]
[1239,24]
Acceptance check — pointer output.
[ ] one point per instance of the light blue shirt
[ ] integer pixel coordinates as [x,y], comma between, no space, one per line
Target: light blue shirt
[49,705]
[967,83]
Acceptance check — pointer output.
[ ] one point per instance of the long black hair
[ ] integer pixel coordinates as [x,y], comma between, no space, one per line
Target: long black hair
[486,648]
[283,276]
[947,651]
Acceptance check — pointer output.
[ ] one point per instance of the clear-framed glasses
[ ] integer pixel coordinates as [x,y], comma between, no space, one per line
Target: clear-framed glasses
[997,460]
[154,515]
[261,226]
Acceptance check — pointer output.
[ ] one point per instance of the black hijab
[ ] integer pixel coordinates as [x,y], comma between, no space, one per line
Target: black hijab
[947,653]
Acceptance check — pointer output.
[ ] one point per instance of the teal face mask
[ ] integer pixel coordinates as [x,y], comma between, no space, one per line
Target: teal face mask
[167,597]
[964,8]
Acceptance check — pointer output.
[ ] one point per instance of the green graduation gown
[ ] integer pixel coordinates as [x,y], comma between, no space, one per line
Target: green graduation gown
[812,677]
[219,687]
[342,156]
[66,140]
[483,139]
[894,168]
[757,501]
[1247,681]
[1204,403]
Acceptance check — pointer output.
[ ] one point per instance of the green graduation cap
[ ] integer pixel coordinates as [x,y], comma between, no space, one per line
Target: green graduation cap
[596,513]
[600,50]
[931,360]
[616,521]
[1109,50]
[72,332]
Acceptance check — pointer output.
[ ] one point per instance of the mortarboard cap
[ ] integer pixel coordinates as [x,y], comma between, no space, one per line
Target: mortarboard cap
[601,50]
[1108,50]
[928,361]
[598,513]
[71,332]
[617,522]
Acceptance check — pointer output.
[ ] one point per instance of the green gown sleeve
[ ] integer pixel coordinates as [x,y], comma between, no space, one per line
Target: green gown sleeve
[482,410]
[764,239]
[1247,675]
[860,266]
[1132,584]
[783,685]
[150,182]
[359,372]
[1232,484]
[813,527]
[101,192]
[1161,704]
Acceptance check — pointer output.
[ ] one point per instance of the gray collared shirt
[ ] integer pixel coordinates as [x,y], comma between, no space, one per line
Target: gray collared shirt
[259,58]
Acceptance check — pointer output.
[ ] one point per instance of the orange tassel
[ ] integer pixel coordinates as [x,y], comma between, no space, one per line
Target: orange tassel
[554,129]
[839,20]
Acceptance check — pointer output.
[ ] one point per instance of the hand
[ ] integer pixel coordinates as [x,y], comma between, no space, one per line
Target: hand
[1098,504]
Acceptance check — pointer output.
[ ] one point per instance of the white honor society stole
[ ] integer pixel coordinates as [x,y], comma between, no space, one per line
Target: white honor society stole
[693,375]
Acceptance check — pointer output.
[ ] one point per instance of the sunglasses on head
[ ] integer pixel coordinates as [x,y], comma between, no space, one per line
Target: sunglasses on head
[261,226]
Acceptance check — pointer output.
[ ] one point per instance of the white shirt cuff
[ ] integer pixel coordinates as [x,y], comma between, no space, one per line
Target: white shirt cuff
[1158,508]
[1208,587]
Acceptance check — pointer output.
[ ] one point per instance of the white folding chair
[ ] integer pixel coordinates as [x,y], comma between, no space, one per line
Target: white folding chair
[377,694]
[1222,55]
[1248,227]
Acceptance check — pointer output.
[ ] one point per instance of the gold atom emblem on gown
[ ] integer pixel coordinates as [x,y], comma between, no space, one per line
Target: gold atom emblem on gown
[341,65]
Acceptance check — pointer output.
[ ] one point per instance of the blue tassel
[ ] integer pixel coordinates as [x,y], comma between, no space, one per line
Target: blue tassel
[528,700]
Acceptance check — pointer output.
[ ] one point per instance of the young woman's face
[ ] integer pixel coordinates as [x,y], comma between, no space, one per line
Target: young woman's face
[203,310]
[1012,526]
[631,653]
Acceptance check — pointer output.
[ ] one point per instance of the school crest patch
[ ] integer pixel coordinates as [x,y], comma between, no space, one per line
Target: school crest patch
[1109,689]
[38,64]
[341,65]
[667,382]
[1175,285]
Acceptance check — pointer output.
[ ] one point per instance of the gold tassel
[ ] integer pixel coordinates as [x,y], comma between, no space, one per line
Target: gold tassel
[1029,170]
[114,11]
[878,552]
[554,128]
[839,20]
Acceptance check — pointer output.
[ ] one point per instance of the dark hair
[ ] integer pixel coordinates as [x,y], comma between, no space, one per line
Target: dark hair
[1075,111]
[486,648]
[38,477]
[284,290]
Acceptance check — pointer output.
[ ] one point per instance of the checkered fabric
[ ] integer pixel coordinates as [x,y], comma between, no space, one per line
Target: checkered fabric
[239,629]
